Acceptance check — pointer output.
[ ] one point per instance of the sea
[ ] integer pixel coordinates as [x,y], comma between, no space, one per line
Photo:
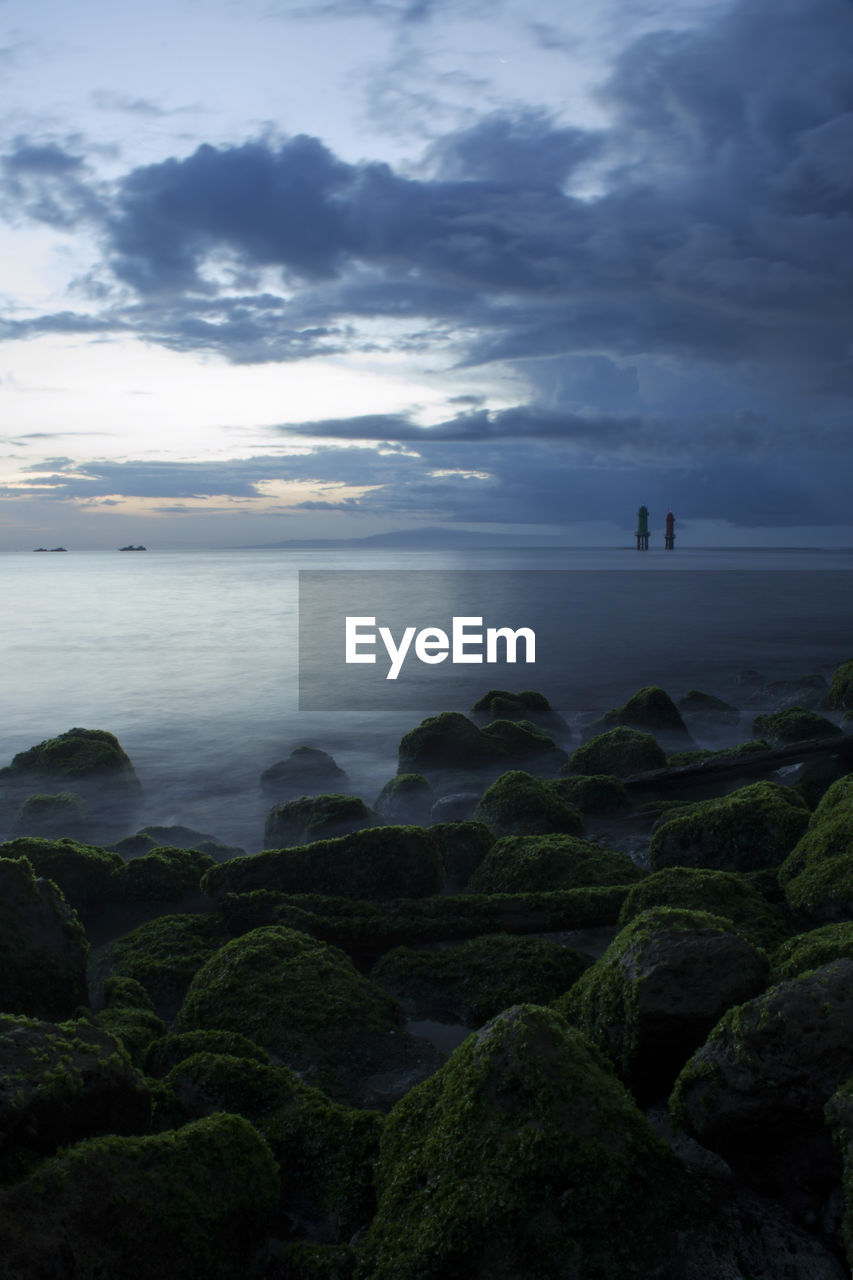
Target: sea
[192,658]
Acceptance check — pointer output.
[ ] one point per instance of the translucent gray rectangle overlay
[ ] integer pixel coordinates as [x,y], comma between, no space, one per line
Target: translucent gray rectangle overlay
[594,632]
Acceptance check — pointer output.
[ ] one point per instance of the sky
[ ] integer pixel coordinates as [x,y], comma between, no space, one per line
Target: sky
[327,269]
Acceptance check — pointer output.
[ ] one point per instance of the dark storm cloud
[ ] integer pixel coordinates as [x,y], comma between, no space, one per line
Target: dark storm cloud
[46,182]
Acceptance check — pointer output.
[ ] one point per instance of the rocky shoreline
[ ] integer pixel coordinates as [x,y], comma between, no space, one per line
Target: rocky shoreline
[210,1062]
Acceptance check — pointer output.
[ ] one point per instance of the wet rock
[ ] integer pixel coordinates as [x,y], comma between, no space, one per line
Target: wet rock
[536,864]
[755,1091]
[43,948]
[795,724]
[60,1083]
[195,1202]
[706,709]
[166,1053]
[659,988]
[313,818]
[651,710]
[85,873]
[523,1156]
[500,704]
[306,771]
[620,752]
[812,950]
[817,876]
[752,828]
[455,807]
[518,803]
[599,793]
[128,1015]
[306,1004]
[53,816]
[462,846]
[451,742]
[750,748]
[406,798]
[379,863]
[840,695]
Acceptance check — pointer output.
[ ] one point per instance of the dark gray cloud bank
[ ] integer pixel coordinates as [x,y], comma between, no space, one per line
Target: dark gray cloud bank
[675,289]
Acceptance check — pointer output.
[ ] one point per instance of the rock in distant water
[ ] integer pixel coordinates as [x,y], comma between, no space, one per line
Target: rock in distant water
[306,771]
[313,818]
[651,710]
[705,709]
[517,803]
[61,814]
[450,742]
[408,797]
[92,762]
[43,949]
[619,752]
[794,724]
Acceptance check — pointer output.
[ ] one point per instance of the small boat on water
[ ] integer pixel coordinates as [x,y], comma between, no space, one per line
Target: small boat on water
[130,548]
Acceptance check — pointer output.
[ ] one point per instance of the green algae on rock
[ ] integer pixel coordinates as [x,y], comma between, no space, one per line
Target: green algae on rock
[164,874]
[166,1053]
[705,708]
[722,893]
[659,988]
[85,873]
[540,863]
[43,948]
[378,863]
[194,1202]
[60,814]
[794,724]
[840,695]
[620,752]
[523,1156]
[310,818]
[450,741]
[747,830]
[128,1014]
[305,1002]
[462,846]
[650,709]
[163,955]
[596,793]
[59,1083]
[475,980]
[812,950]
[519,804]
[750,748]
[407,798]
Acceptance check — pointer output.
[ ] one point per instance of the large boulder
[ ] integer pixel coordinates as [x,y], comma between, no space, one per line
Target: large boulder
[523,1156]
[59,1083]
[305,1003]
[705,709]
[379,863]
[194,1202]
[43,948]
[794,724]
[85,873]
[502,704]
[325,1152]
[534,864]
[812,950]
[127,1013]
[755,1091]
[450,742]
[620,752]
[61,814]
[406,798]
[476,980]
[659,988]
[306,771]
[518,804]
[89,762]
[750,829]
[313,818]
[602,794]
[817,876]
[462,846]
[651,710]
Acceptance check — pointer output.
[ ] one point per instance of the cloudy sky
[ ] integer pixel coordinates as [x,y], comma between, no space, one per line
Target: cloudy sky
[329,268]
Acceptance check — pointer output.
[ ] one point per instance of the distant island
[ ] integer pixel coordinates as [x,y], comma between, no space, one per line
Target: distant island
[129,548]
[49,549]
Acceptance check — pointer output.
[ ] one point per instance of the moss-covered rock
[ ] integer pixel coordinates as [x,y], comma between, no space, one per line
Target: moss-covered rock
[462,846]
[313,818]
[829,834]
[522,1156]
[325,1152]
[538,864]
[620,752]
[163,955]
[705,708]
[166,1053]
[476,980]
[60,1083]
[823,890]
[519,804]
[500,704]
[650,709]
[43,948]
[794,724]
[812,950]
[840,695]
[128,1014]
[60,815]
[753,827]
[659,988]
[306,771]
[85,873]
[164,874]
[755,1091]
[839,794]
[408,798]
[598,793]
[379,863]
[721,893]
[754,746]
[450,741]
[185,1204]
[368,929]
[305,1003]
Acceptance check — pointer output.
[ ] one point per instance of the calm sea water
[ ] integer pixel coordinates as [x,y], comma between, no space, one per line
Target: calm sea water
[191,658]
